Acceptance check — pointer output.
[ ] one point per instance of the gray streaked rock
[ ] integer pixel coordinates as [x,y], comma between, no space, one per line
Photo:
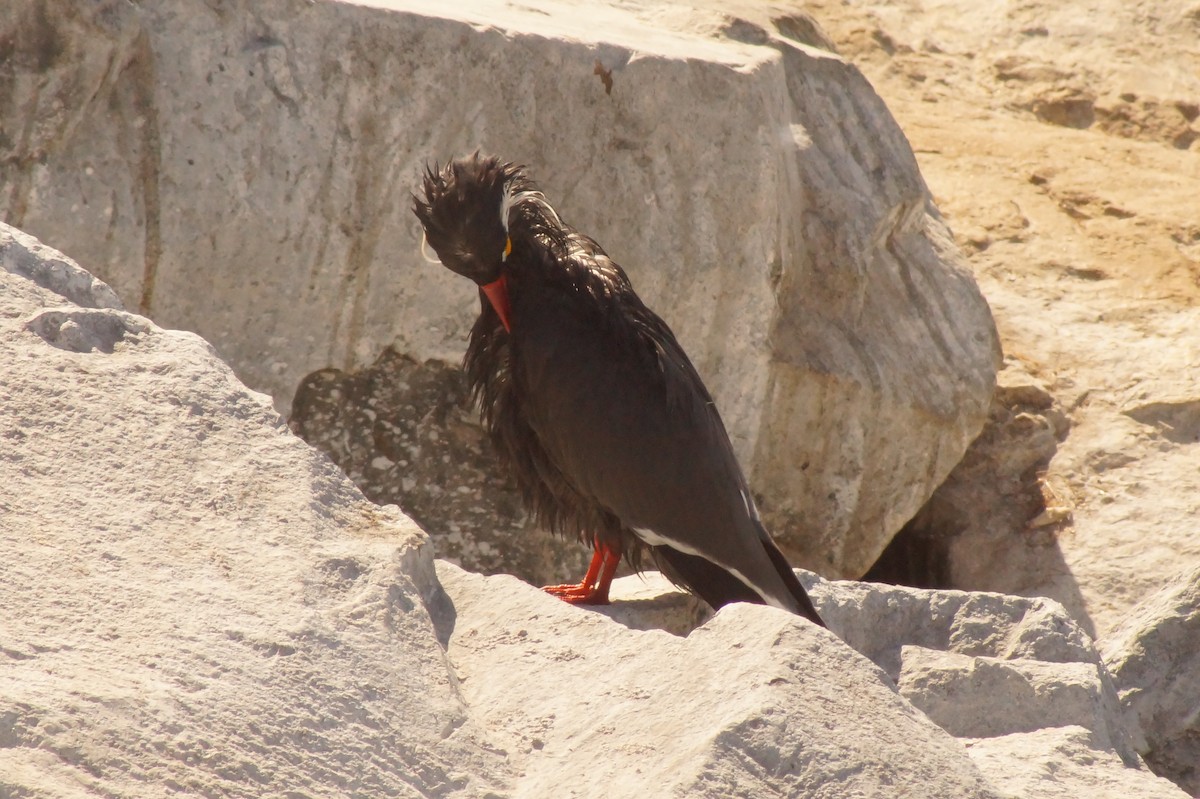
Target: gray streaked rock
[1155,662]
[756,189]
[1063,763]
[195,601]
[755,702]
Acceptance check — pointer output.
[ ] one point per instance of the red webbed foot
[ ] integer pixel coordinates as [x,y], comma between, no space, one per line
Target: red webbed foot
[593,589]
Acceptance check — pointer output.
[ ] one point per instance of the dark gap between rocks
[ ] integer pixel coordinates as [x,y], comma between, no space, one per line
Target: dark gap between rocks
[994,519]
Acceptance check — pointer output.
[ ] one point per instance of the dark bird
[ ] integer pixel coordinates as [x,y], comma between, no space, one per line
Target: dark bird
[590,401]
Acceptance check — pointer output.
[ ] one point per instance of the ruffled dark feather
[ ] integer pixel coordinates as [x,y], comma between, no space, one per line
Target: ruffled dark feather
[487,221]
[564,257]
[459,208]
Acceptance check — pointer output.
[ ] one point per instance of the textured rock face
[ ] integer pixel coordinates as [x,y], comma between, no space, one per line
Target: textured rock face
[1061,142]
[1084,238]
[1062,763]
[1155,662]
[753,666]
[755,188]
[194,600]
[408,433]
[1015,680]
[1085,242]
[197,602]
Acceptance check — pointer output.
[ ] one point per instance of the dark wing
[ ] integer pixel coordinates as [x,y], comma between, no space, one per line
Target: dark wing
[617,405]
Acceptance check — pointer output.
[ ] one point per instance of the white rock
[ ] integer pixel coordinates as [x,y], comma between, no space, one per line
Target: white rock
[194,600]
[756,702]
[1155,661]
[984,697]
[1018,671]
[880,620]
[24,255]
[1086,245]
[1063,763]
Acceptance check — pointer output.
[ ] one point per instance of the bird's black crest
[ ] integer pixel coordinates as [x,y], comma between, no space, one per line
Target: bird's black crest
[468,206]
[461,214]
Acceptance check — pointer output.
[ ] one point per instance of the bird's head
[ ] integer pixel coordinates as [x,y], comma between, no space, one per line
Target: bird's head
[466,211]
[465,215]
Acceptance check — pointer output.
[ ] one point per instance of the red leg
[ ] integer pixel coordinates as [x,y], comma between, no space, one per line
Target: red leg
[593,590]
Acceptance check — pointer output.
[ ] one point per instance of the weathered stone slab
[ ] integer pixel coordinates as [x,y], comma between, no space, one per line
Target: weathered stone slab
[195,601]
[984,697]
[1063,763]
[1155,661]
[756,702]
[755,187]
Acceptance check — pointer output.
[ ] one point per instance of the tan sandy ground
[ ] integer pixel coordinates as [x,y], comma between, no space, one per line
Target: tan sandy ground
[1086,242]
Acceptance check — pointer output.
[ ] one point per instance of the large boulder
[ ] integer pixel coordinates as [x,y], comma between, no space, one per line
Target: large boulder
[755,702]
[1014,680]
[195,600]
[1155,661]
[198,602]
[754,186]
[1061,142]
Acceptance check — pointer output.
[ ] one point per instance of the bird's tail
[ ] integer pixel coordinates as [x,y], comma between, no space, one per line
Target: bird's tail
[804,605]
[719,586]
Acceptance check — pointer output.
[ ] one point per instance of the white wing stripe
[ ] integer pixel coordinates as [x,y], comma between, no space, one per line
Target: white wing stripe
[652,538]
